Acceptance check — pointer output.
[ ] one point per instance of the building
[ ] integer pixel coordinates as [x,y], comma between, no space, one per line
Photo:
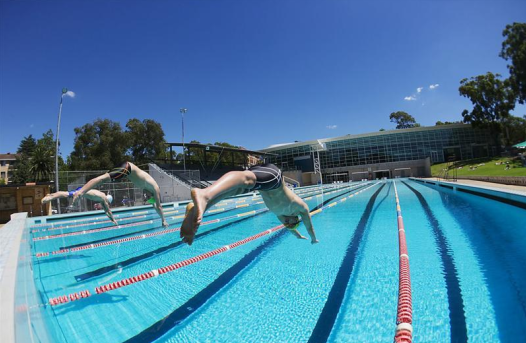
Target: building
[23,198]
[7,162]
[395,153]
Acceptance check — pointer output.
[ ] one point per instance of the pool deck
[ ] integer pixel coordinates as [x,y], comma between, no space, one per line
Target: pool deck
[10,236]
[514,189]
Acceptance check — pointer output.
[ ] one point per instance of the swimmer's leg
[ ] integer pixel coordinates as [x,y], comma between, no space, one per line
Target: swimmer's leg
[53,196]
[230,184]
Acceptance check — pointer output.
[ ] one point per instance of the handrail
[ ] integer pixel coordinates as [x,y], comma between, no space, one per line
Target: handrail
[286,178]
[404,316]
[162,171]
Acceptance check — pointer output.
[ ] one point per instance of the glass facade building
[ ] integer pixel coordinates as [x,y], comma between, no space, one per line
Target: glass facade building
[440,143]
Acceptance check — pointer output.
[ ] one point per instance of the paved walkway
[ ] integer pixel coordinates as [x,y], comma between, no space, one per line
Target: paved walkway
[489,185]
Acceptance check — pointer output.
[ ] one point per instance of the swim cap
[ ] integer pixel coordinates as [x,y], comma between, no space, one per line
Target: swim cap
[293,227]
[151,200]
[110,198]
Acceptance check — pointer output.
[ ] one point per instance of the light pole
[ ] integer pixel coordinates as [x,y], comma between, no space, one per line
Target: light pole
[183,111]
[64,91]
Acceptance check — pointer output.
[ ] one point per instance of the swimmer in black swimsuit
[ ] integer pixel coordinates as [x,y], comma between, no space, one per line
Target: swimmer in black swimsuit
[134,174]
[267,179]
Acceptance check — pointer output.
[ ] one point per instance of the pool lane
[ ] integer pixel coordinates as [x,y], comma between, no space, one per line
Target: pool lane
[203,273]
[273,299]
[457,316]
[493,261]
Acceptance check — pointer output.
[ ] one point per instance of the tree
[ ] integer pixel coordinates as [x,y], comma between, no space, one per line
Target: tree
[403,120]
[515,129]
[34,161]
[492,99]
[438,123]
[98,146]
[41,164]
[514,49]
[22,173]
[27,145]
[226,158]
[146,140]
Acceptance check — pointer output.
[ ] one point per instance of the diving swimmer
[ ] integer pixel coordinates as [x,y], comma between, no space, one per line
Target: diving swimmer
[267,179]
[138,177]
[94,195]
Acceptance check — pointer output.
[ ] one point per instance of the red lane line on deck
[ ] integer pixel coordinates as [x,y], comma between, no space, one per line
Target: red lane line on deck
[175,266]
[404,316]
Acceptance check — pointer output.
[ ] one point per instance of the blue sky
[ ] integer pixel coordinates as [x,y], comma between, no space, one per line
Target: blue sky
[251,73]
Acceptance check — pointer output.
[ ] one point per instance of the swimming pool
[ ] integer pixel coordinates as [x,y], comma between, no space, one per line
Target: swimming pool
[467,259]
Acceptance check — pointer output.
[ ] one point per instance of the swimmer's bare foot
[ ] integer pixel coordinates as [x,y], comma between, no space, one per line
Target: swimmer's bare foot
[47,199]
[200,203]
[189,227]
[165,224]
[194,216]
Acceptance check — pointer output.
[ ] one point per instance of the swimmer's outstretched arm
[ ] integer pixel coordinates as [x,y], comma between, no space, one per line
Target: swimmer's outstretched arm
[106,207]
[305,217]
[90,185]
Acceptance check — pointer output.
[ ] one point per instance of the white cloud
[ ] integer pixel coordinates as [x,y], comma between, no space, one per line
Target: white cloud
[419,89]
[70,94]
[434,86]
[410,98]
[332,127]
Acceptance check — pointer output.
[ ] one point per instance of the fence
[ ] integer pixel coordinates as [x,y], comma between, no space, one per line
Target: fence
[124,193]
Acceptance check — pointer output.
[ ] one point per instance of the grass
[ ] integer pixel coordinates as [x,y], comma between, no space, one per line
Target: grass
[484,167]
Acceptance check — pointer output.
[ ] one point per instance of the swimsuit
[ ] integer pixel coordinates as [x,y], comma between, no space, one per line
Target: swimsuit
[268,177]
[71,193]
[120,172]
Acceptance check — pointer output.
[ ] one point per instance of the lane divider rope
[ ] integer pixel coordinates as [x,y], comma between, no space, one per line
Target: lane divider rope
[117,227]
[404,316]
[169,268]
[134,238]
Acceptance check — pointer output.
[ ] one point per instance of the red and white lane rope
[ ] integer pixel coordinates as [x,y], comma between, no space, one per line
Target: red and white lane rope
[138,237]
[117,227]
[404,316]
[169,268]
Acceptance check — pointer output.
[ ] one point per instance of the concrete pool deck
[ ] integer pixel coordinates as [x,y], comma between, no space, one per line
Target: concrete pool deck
[520,190]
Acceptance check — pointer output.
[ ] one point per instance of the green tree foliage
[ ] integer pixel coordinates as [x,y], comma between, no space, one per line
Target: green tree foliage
[492,99]
[403,120]
[146,140]
[214,157]
[27,145]
[99,146]
[438,123]
[35,161]
[515,130]
[22,173]
[227,157]
[514,50]
[41,164]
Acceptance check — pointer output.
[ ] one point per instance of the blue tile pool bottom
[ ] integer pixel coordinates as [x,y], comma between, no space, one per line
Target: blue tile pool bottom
[280,289]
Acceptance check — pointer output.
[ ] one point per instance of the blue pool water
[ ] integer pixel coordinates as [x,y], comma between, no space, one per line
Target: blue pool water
[467,259]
